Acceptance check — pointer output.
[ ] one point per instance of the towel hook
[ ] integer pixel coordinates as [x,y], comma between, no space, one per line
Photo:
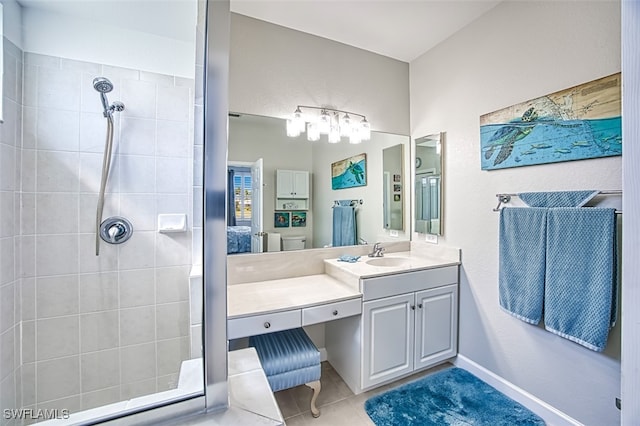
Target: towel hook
[502,199]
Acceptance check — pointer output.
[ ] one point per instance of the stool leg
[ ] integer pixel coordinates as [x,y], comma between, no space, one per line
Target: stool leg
[316,390]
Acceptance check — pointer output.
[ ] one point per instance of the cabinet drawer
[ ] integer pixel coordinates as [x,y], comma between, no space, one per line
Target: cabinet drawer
[262,324]
[389,285]
[331,311]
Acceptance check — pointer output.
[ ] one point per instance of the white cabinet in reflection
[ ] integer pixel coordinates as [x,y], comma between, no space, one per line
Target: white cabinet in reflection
[292,184]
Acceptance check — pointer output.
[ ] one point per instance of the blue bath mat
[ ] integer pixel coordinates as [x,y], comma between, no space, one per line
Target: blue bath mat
[450,397]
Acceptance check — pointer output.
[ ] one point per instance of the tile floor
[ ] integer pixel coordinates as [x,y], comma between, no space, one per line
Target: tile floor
[337,404]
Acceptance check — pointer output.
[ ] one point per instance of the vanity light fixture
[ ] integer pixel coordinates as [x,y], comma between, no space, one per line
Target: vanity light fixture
[334,123]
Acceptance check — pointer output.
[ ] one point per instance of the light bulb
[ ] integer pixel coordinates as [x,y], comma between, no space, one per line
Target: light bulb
[324,123]
[334,133]
[345,126]
[298,120]
[293,130]
[365,130]
[313,134]
[355,137]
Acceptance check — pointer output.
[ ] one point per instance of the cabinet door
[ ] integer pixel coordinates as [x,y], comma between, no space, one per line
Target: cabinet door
[300,184]
[388,339]
[436,325]
[284,184]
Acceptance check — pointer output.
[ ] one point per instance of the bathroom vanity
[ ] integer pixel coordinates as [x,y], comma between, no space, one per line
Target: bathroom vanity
[384,318]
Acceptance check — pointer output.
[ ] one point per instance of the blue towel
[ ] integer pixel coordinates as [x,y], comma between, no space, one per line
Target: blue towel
[344,224]
[522,262]
[348,258]
[581,290]
[557,198]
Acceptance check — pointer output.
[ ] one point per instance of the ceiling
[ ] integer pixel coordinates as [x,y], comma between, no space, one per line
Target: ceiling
[400,29]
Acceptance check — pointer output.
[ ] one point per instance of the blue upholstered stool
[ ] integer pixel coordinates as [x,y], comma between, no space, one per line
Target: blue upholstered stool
[289,358]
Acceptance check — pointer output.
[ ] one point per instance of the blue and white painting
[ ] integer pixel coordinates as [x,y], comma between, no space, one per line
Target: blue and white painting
[573,124]
[350,172]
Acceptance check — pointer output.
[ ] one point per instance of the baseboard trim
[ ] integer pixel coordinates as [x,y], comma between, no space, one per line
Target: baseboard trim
[323,354]
[552,416]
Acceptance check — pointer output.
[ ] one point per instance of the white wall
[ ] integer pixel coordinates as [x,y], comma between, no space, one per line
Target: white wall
[55,34]
[516,52]
[12,21]
[273,69]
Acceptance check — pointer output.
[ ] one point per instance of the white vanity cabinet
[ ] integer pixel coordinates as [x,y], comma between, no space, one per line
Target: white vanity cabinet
[292,184]
[409,322]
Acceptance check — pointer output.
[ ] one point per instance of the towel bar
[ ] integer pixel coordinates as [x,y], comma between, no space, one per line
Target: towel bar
[505,198]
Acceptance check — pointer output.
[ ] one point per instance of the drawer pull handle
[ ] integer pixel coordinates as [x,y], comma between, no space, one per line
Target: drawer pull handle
[413,307]
[267,324]
[420,305]
[335,312]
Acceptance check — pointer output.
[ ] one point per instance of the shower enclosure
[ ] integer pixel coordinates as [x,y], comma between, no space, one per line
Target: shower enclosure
[85,323]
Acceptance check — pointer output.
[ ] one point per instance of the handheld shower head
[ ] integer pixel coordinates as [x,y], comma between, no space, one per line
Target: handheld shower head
[102,84]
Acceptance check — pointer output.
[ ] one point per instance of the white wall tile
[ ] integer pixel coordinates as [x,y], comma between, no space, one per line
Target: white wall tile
[173,249]
[57,296]
[98,292]
[172,284]
[136,174]
[137,288]
[88,262]
[100,397]
[93,132]
[139,98]
[140,210]
[30,85]
[28,371]
[7,260]
[177,180]
[58,130]
[172,320]
[137,325]
[28,295]
[196,341]
[99,370]
[7,167]
[171,353]
[7,214]
[59,89]
[57,171]
[28,213]
[173,139]
[7,307]
[140,388]
[57,254]
[57,337]
[28,167]
[7,354]
[99,331]
[138,363]
[88,207]
[56,213]
[137,136]
[58,378]
[173,103]
[28,341]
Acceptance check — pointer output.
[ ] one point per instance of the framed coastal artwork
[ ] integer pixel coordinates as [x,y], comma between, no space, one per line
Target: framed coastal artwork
[350,172]
[573,124]
[281,219]
[298,219]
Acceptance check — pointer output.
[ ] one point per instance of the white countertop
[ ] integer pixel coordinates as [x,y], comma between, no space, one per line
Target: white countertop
[414,262]
[286,294]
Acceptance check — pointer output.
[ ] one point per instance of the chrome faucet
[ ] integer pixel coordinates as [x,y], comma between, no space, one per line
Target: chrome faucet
[377,251]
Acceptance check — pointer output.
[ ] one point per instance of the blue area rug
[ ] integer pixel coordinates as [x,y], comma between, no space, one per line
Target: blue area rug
[450,397]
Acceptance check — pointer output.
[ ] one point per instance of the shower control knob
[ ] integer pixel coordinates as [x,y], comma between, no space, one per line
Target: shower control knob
[116,230]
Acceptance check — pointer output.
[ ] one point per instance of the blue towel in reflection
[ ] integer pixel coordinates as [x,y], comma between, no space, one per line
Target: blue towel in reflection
[581,283]
[522,262]
[557,198]
[348,258]
[344,224]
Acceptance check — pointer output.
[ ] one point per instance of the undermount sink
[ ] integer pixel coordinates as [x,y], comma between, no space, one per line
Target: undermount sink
[388,261]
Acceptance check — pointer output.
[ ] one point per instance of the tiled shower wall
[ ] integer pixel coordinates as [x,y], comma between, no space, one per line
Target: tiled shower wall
[100,329]
[10,131]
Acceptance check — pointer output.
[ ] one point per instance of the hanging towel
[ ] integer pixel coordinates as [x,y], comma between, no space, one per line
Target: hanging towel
[522,262]
[580,292]
[344,224]
[557,198]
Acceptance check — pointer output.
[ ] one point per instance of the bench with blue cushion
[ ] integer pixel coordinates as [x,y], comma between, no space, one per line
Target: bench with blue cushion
[289,358]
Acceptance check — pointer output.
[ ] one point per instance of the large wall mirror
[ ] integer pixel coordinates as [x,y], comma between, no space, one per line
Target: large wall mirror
[297,207]
[428,184]
[393,194]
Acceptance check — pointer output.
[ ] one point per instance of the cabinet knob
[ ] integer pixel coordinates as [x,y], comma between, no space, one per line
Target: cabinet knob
[420,305]
[335,312]
[413,307]
[267,324]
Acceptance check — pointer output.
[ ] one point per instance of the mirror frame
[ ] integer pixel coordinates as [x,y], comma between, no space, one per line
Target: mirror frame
[440,137]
